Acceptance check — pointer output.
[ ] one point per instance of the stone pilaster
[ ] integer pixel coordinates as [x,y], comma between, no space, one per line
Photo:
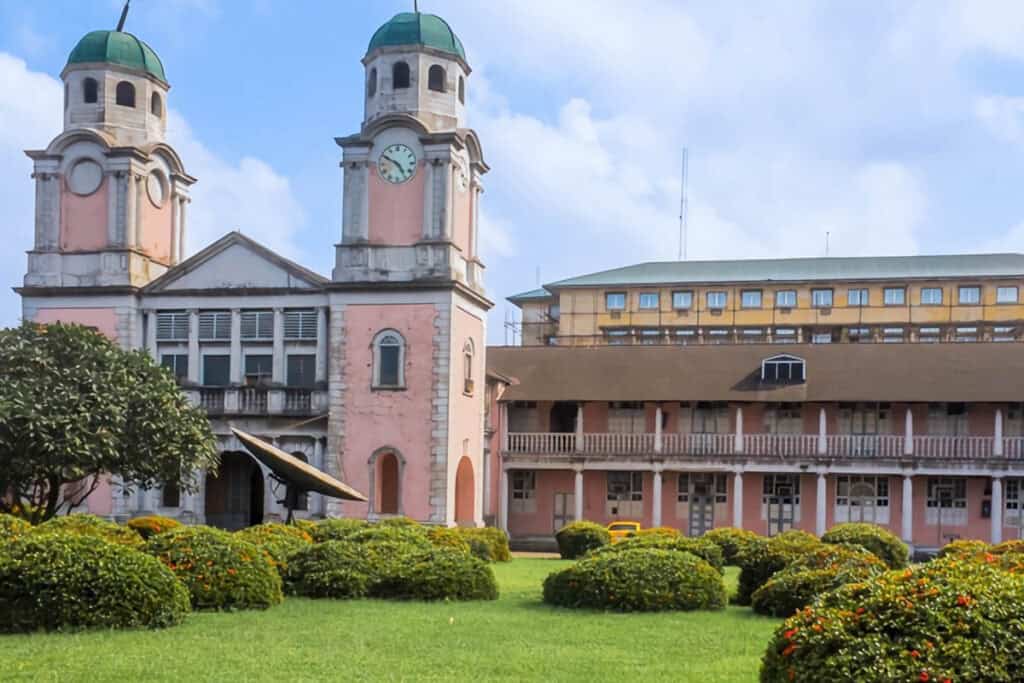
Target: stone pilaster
[336,386]
[440,414]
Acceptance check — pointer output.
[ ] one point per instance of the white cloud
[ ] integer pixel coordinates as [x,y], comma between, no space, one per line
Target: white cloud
[1003,116]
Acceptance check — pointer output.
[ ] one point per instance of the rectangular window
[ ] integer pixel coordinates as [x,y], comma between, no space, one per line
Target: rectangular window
[783,418]
[524,484]
[718,336]
[618,337]
[1004,333]
[214,325]
[708,417]
[555,311]
[894,296]
[300,324]
[301,370]
[177,363]
[259,369]
[892,335]
[969,296]
[650,336]
[946,503]
[170,496]
[172,326]
[821,338]
[784,335]
[682,301]
[216,370]
[750,298]
[649,301]
[929,334]
[626,487]
[752,336]
[257,325]
[862,499]
[859,334]
[389,369]
[717,300]
[931,296]
[785,298]
[1006,295]
[686,336]
[701,484]
[966,334]
[821,298]
[857,297]
[615,301]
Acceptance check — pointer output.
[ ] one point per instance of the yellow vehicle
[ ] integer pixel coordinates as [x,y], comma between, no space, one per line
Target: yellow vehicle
[621,530]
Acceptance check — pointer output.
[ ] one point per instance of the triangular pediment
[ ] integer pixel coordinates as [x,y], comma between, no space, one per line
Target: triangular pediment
[236,262]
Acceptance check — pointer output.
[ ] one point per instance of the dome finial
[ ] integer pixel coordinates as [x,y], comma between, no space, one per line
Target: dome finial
[124,15]
[416,6]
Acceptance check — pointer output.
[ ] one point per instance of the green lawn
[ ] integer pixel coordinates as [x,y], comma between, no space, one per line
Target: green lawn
[516,637]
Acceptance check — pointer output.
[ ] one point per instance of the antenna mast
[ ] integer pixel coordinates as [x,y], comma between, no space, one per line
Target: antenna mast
[683,206]
[124,15]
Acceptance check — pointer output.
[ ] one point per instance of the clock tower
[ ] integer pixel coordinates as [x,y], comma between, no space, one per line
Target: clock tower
[407,299]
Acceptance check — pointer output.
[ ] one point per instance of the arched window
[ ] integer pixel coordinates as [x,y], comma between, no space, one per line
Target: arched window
[467,368]
[435,78]
[462,90]
[125,94]
[400,75]
[783,369]
[302,500]
[371,83]
[90,91]
[388,360]
[156,105]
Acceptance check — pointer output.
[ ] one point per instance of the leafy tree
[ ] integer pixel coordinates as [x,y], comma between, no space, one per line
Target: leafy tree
[76,408]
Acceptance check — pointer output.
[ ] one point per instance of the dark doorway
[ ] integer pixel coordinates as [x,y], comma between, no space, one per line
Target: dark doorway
[563,418]
[387,464]
[234,498]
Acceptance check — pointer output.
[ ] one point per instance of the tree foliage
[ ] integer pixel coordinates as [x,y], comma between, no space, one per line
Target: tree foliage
[76,408]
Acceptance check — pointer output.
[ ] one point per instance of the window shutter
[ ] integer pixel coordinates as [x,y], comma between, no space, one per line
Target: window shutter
[215,325]
[257,325]
[685,418]
[172,326]
[300,324]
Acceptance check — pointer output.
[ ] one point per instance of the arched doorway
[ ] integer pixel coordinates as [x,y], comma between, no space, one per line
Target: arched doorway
[234,498]
[387,484]
[464,493]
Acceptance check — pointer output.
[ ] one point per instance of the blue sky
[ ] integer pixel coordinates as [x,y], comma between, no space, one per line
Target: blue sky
[896,127]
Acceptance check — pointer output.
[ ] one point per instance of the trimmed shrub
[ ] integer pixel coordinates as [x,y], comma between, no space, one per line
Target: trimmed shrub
[337,529]
[639,580]
[66,581]
[577,538]
[306,525]
[220,570]
[411,535]
[488,543]
[398,521]
[1014,547]
[962,548]
[445,537]
[810,575]
[12,527]
[332,569]
[151,525]
[701,547]
[946,620]
[439,574]
[731,540]
[659,531]
[882,542]
[763,557]
[90,525]
[278,541]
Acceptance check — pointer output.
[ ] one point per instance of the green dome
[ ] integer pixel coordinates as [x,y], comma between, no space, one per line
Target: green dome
[414,28]
[117,47]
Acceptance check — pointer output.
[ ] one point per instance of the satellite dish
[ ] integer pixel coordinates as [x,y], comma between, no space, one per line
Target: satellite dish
[300,477]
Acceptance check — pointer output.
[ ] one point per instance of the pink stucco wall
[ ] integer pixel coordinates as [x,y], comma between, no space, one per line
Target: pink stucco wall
[382,418]
[83,220]
[462,221]
[466,409]
[396,211]
[155,230]
[103,319]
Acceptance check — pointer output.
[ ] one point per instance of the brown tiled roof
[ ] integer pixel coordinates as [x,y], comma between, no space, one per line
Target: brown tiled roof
[979,372]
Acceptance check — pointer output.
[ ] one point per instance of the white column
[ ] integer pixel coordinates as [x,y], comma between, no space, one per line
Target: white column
[997,442]
[657,432]
[822,431]
[140,192]
[908,433]
[907,511]
[997,510]
[447,190]
[579,427]
[739,429]
[503,501]
[181,228]
[737,500]
[130,211]
[193,346]
[821,505]
[151,334]
[656,499]
[577,497]
[503,427]
[175,230]
[428,200]
[278,367]
[475,229]
[235,367]
[113,186]
[321,344]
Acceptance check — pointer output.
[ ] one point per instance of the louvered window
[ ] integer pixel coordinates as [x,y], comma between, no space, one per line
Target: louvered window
[258,325]
[215,325]
[300,324]
[172,326]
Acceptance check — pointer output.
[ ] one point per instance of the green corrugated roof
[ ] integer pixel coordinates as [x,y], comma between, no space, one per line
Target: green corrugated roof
[416,28]
[804,269]
[532,295]
[117,47]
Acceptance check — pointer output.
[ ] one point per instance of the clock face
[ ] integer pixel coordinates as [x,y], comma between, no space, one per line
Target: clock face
[397,163]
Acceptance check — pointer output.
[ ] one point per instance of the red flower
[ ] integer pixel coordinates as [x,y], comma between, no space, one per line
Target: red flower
[790,649]
[860,610]
[963,600]
[924,676]
[788,635]
[915,654]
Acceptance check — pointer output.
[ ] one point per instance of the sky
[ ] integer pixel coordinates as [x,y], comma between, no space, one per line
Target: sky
[895,128]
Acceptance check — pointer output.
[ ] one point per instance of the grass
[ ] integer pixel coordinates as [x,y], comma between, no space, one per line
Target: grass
[517,637]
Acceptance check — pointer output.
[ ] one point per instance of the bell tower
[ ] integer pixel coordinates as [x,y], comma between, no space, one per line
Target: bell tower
[111,194]
[408,305]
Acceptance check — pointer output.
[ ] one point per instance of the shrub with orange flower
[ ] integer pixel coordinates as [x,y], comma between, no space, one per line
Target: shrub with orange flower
[151,525]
